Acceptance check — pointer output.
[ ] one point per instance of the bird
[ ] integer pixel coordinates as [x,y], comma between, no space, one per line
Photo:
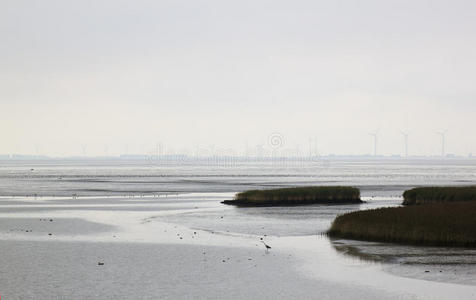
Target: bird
[267,246]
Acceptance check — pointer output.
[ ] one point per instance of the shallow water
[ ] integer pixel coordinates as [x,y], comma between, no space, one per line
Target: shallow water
[374,177]
[150,230]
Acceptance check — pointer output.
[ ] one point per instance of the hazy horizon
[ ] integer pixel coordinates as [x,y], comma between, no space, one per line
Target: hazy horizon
[116,77]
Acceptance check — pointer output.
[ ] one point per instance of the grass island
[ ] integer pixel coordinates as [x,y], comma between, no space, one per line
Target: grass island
[445,218]
[297,196]
[427,195]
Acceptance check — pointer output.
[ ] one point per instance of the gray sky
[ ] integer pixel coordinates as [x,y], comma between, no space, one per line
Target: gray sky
[111,73]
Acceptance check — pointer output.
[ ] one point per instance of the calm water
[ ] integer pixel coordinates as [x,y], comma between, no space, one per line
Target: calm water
[374,177]
[134,202]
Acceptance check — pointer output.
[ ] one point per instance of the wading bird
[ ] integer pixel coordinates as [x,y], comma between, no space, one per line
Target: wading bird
[267,246]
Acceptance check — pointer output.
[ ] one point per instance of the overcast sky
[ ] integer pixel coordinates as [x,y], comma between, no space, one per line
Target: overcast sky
[109,75]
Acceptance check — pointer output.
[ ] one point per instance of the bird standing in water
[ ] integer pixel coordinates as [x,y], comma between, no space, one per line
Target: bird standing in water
[267,246]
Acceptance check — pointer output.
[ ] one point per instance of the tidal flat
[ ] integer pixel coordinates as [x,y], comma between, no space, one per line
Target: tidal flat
[161,232]
[199,249]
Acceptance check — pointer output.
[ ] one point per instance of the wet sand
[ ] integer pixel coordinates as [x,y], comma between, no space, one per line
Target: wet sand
[188,247]
[70,270]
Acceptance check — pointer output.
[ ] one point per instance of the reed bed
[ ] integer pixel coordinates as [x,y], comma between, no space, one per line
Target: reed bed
[297,196]
[426,195]
[439,224]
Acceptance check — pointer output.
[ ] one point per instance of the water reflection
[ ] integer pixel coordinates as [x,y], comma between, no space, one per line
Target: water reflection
[446,264]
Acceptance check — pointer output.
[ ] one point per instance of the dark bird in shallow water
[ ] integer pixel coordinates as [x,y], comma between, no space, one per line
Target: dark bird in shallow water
[267,246]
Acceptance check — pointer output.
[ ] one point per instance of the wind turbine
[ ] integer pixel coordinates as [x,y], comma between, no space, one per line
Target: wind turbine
[375,135]
[405,139]
[443,141]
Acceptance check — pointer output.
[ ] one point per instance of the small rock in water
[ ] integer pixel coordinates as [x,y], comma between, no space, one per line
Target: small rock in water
[100,264]
[426,271]
[51,220]
[49,234]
